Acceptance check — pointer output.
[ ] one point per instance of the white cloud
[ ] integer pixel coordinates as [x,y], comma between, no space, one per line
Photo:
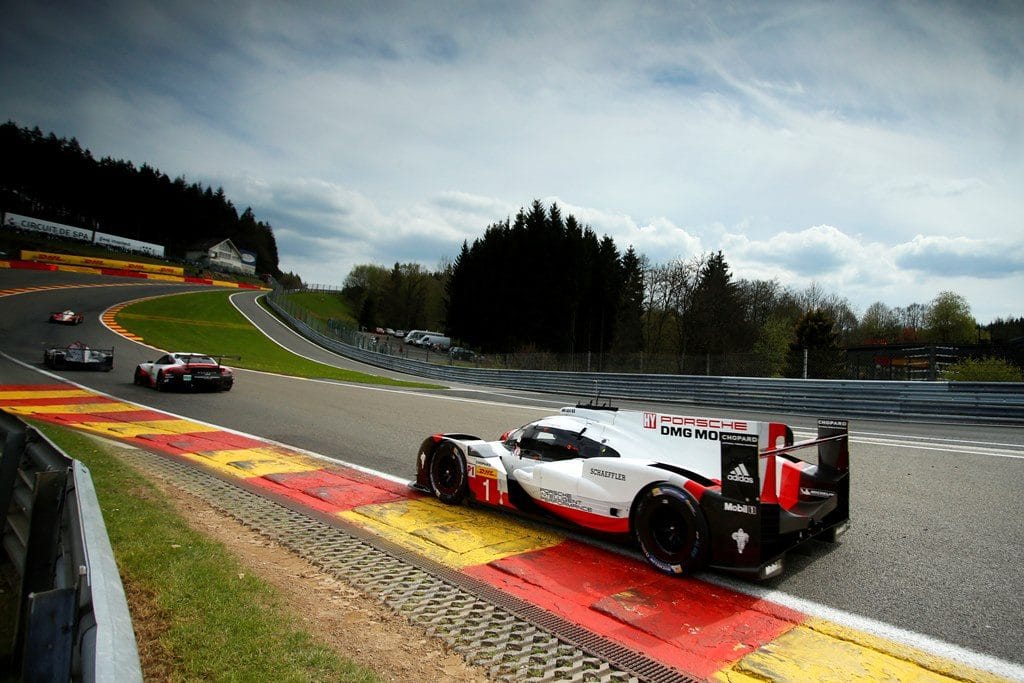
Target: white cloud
[987,259]
[874,150]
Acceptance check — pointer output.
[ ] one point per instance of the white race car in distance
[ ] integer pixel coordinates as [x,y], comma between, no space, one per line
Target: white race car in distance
[181,370]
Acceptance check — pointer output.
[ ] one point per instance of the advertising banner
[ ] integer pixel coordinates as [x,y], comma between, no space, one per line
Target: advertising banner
[67,259]
[127,244]
[69,232]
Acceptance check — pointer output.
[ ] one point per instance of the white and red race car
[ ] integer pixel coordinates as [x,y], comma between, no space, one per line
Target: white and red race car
[181,370]
[692,491]
[67,317]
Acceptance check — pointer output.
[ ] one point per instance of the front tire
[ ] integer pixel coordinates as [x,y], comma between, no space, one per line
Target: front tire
[671,530]
[448,477]
[160,386]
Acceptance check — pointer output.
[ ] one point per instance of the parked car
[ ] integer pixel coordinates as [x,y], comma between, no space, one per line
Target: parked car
[400,334]
[434,341]
[692,492]
[461,353]
[413,335]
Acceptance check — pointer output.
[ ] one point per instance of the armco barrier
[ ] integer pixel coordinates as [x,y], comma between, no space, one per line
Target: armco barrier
[72,622]
[990,402]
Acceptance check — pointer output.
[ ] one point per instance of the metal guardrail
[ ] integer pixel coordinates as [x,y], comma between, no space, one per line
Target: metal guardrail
[990,402]
[73,622]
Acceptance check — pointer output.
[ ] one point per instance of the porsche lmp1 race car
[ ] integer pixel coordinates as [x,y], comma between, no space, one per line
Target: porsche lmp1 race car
[78,356]
[68,317]
[185,371]
[692,491]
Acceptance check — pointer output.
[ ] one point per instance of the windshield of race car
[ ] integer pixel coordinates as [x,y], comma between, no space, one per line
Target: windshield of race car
[550,443]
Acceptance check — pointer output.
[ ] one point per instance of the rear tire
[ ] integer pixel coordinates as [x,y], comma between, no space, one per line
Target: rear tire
[448,478]
[671,530]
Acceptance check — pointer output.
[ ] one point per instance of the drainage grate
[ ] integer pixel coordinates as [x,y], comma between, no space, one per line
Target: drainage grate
[511,639]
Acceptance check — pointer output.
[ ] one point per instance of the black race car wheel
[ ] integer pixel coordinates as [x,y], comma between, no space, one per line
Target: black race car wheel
[671,530]
[448,478]
[160,386]
[138,379]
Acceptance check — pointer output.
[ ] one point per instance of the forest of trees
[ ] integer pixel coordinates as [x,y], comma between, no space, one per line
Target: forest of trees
[540,281]
[54,179]
[404,297]
[544,283]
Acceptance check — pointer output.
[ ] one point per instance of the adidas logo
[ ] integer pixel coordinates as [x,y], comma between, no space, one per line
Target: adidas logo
[740,474]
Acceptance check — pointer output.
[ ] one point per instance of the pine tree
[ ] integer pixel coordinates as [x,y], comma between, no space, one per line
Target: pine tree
[629,332]
[815,332]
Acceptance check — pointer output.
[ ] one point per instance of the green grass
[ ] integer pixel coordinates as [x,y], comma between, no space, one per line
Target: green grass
[217,621]
[206,322]
[325,306]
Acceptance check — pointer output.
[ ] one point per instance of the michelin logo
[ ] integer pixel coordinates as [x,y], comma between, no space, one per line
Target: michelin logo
[741,537]
[740,474]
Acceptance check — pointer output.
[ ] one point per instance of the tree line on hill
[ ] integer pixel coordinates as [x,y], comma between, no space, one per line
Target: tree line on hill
[55,179]
[542,282]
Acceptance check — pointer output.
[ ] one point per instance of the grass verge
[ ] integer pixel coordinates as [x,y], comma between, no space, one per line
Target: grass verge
[198,613]
[324,305]
[206,322]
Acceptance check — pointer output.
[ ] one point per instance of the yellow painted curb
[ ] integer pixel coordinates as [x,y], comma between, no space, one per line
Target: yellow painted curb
[20,395]
[255,462]
[130,430]
[76,408]
[819,650]
[452,535]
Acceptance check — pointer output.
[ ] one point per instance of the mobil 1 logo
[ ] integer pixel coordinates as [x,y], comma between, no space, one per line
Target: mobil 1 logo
[740,478]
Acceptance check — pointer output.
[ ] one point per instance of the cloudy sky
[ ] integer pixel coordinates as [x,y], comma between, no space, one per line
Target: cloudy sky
[873,148]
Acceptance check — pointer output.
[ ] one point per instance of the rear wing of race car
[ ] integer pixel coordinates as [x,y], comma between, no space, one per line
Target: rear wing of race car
[771,500]
[219,358]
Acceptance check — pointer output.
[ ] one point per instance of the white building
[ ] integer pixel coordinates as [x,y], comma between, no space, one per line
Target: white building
[221,255]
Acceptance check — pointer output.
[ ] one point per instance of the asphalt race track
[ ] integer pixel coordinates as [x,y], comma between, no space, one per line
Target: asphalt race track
[937,544]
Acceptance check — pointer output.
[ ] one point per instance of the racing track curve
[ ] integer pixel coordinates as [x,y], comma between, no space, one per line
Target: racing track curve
[936,546]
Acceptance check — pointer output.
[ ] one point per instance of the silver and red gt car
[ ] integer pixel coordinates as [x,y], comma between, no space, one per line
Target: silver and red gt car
[67,317]
[693,492]
[181,370]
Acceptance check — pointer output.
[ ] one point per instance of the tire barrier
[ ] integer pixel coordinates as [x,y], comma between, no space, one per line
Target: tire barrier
[72,621]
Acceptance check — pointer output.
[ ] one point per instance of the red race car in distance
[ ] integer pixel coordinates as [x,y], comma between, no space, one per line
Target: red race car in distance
[67,317]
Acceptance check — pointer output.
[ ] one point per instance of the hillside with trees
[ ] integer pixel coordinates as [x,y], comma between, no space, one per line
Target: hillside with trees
[55,179]
[547,290]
